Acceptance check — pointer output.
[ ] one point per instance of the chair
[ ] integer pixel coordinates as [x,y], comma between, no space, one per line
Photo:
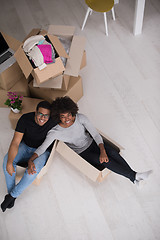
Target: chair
[99,6]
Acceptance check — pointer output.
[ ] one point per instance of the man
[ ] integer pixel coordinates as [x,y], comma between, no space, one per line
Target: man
[30,132]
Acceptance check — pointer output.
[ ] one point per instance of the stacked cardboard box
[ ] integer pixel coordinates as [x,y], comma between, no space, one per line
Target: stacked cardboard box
[12,79]
[56,79]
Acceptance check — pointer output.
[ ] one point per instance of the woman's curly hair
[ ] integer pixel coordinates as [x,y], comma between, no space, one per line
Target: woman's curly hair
[63,105]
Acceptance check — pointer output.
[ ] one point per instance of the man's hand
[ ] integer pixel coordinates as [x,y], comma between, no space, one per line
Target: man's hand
[10,168]
[31,167]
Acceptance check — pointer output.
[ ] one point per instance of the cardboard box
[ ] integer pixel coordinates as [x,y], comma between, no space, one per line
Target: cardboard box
[3,98]
[75,91]
[28,105]
[60,82]
[77,55]
[82,165]
[84,60]
[12,74]
[74,59]
[52,70]
[74,159]
[20,87]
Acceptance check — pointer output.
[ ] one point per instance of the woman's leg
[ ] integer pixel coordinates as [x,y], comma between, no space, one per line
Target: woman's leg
[116,163]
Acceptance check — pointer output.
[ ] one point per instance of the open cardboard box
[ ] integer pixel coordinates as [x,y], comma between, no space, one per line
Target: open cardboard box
[51,70]
[77,54]
[82,165]
[12,74]
[74,91]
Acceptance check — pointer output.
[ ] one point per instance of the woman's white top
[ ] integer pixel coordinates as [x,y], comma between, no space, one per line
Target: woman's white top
[76,136]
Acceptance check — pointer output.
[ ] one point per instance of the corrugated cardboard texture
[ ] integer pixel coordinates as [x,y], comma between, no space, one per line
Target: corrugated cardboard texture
[28,105]
[75,91]
[10,76]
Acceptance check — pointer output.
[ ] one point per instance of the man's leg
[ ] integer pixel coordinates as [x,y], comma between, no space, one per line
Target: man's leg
[22,156]
[28,179]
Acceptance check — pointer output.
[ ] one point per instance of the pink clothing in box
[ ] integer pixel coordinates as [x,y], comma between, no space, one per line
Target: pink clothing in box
[46,51]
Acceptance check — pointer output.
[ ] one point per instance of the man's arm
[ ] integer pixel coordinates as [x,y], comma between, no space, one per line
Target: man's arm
[13,150]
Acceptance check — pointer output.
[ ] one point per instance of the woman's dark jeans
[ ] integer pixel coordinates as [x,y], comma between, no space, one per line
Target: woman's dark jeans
[116,162]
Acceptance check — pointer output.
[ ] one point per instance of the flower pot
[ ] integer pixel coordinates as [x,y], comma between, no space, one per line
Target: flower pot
[15,110]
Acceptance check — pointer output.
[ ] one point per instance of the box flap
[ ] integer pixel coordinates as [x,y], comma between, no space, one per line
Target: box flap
[75,56]
[77,161]
[52,70]
[61,30]
[35,31]
[23,62]
[12,42]
[58,46]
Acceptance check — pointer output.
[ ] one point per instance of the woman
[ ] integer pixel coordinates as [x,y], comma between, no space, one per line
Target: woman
[78,133]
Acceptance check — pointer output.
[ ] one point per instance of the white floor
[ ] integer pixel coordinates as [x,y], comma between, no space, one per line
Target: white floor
[121,97]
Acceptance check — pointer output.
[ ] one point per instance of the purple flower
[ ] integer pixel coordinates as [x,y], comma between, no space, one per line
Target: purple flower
[12,102]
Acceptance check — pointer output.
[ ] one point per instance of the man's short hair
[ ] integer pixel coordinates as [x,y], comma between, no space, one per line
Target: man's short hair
[43,104]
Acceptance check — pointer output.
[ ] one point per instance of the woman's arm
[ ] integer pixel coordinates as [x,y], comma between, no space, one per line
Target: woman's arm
[31,166]
[96,136]
[40,150]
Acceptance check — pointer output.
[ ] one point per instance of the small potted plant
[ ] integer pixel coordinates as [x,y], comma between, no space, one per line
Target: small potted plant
[14,101]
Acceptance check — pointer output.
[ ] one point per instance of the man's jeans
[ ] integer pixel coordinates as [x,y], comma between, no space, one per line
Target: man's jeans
[23,155]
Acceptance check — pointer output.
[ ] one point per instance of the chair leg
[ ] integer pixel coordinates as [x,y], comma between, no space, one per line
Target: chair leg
[89,11]
[113,14]
[105,22]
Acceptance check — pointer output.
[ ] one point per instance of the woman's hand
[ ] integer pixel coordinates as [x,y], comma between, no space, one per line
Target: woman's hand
[103,155]
[31,167]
